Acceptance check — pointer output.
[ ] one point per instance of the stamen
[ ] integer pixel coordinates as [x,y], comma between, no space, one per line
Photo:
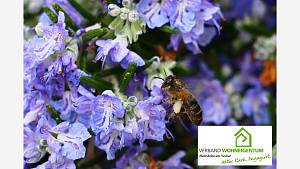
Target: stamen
[42,78]
[46,127]
[100,104]
[62,73]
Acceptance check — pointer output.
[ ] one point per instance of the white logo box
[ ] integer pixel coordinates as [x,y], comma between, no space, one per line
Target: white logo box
[234,145]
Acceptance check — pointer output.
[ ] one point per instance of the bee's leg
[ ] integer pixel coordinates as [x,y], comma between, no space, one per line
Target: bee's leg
[164,100]
[171,105]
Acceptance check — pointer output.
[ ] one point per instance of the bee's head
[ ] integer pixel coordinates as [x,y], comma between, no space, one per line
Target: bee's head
[168,82]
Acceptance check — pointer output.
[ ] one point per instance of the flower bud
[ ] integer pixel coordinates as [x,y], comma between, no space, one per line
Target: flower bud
[132,101]
[113,10]
[127,3]
[133,16]
[124,13]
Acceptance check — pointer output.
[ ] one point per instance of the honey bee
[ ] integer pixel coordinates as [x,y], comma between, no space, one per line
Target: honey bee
[181,99]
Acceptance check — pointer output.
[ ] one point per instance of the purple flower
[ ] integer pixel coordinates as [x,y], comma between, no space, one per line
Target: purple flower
[212,99]
[63,65]
[157,95]
[132,57]
[53,39]
[256,104]
[73,147]
[46,129]
[154,12]
[74,77]
[118,52]
[130,158]
[83,106]
[137,87]
[57,161]
[117,49]
[65,107]
[65,142]
[34,149]
[67,7]
[34,107]
[151,121]
[44,19]
[249,69]
[175,161]
[183,14]
[207,13]
[105,107]
[113,141]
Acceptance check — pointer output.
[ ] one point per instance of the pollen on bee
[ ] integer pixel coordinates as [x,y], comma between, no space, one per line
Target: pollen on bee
[136,154]
[220,27]
[223,19]
[161,111]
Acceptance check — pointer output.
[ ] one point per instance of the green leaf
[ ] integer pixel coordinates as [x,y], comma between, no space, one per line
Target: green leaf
[85,13]
[127,75]
[91,131]
[147,64]
[99,84]
[258,30]
[50,14]
[114,70]
[54,113]
[53,134]
[68,19]
[167,28]
[94,33]
[55,97]
[83,60]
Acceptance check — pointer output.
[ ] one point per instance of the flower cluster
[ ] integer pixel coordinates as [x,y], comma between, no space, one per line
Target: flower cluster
[188,16]
[93,77]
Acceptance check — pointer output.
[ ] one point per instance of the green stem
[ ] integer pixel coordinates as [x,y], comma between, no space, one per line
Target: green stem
[54,113]
[167,28]
[142,68]
[50,14]
[99,84]
[85,13]
[127,76]
[94,33]
[68,19]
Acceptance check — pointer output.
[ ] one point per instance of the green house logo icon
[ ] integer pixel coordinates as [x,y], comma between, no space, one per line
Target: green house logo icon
[243,138]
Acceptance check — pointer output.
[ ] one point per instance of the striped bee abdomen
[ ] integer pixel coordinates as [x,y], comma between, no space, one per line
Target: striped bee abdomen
[193,110]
